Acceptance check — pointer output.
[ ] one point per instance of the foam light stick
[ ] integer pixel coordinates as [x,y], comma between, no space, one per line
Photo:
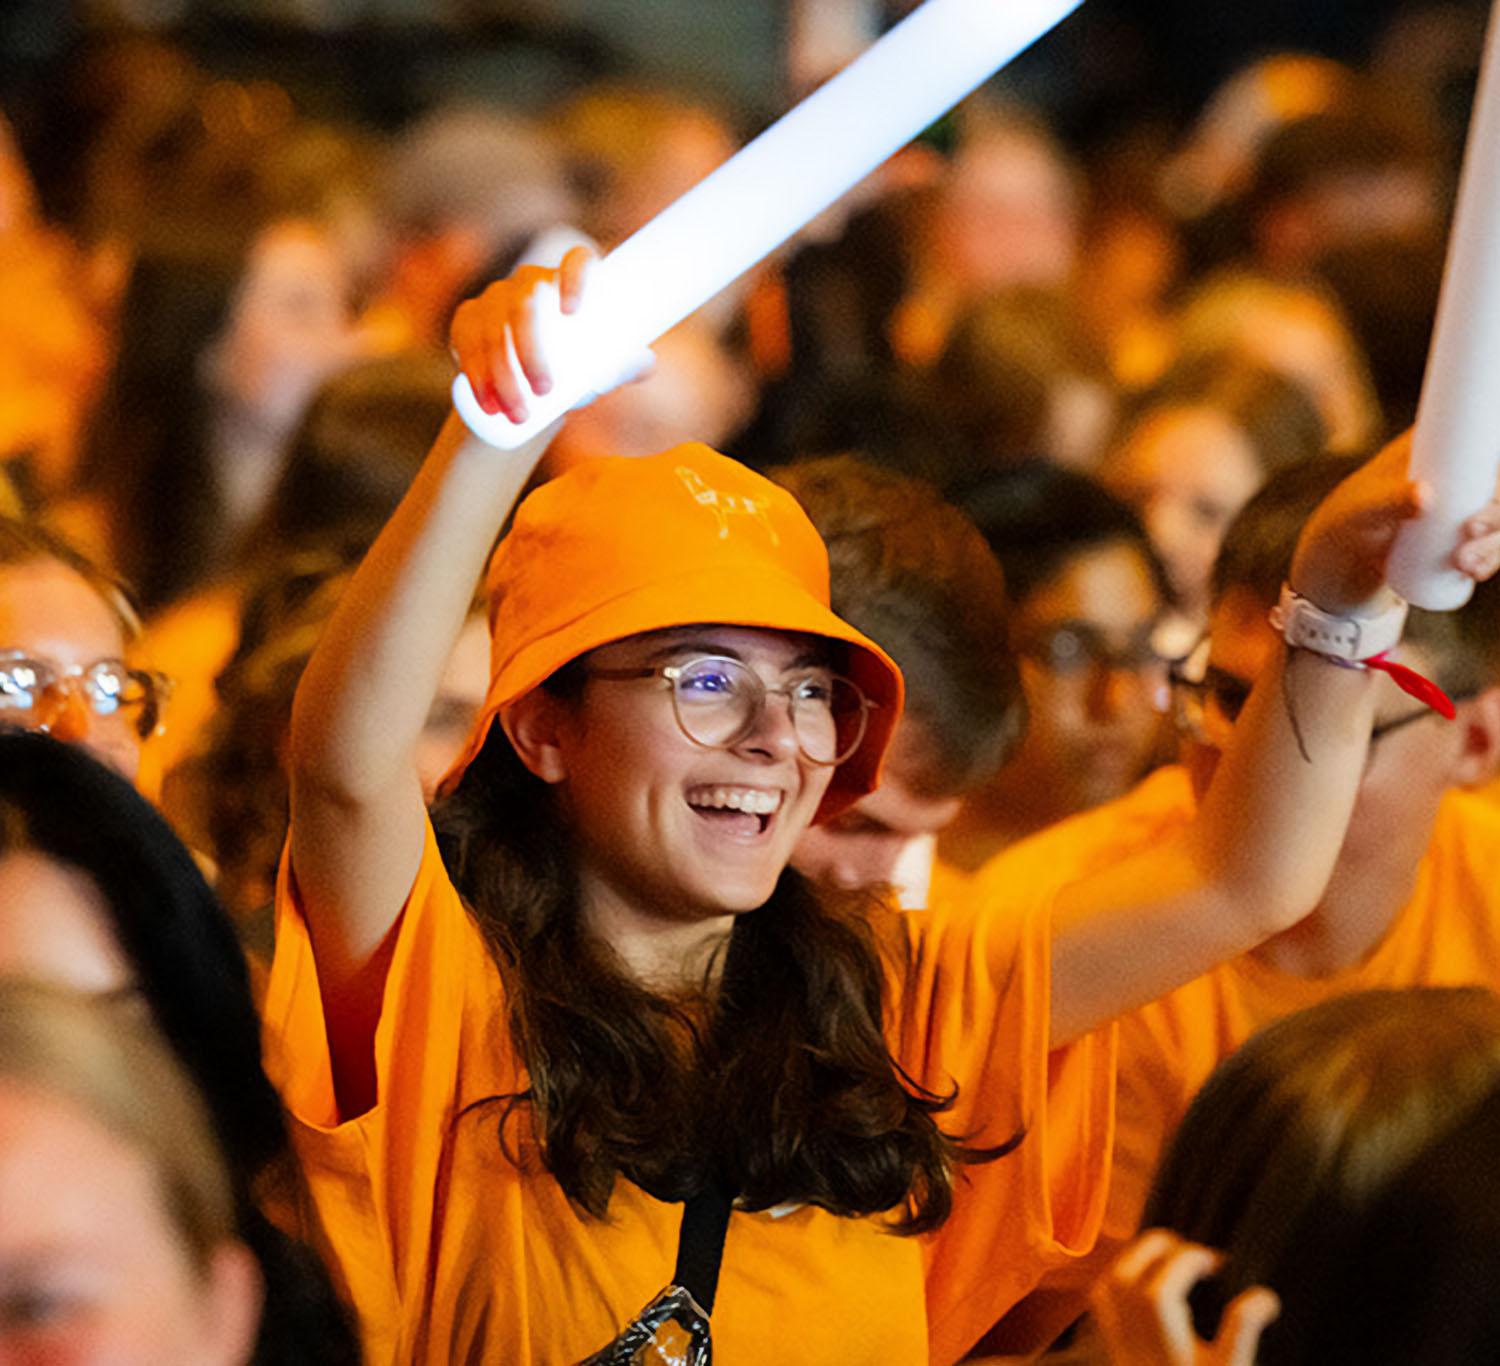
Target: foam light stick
[1456,445]
[769,190]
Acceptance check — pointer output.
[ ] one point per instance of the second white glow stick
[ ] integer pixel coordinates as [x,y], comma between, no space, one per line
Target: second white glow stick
[769,190]
[1456,445]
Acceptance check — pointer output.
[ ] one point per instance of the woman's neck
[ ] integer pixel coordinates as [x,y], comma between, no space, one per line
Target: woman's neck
[666,954]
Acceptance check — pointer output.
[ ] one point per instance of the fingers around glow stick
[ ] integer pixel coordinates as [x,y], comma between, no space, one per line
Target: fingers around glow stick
[1456,445]
[769,190]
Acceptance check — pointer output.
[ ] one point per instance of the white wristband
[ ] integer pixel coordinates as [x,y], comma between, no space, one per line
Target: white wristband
[1307,626]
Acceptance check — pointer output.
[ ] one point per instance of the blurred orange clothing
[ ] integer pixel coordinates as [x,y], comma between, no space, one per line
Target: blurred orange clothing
[1447,934]
[191,642]
[53,352]
[452,1252]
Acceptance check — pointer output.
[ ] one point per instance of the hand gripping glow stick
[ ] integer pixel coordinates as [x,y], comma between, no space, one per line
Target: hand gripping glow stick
[770,189]
[1456,445]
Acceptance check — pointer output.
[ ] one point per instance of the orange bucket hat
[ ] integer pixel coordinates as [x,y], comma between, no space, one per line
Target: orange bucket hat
[617,546]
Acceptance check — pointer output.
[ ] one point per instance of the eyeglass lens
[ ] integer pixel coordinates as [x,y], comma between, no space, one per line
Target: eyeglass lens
[1076,647]
[28,687]
[719,701]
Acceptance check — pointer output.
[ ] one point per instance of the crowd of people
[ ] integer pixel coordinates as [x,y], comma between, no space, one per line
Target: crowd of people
[854,846]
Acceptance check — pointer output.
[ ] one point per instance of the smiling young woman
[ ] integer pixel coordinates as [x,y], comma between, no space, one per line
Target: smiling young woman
[515,1038]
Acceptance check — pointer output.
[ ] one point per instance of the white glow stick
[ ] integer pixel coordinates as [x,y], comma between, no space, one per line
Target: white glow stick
[1456,446]
[770,189]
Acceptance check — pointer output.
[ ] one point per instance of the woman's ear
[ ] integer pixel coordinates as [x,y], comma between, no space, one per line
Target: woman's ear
[533,725]
[1479,759]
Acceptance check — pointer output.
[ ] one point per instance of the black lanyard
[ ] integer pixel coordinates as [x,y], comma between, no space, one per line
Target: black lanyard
[700,1244]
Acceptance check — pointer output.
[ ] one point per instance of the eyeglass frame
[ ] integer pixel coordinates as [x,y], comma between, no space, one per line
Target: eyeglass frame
[670,673]
[1134,660]
[1200,689]
[158,689]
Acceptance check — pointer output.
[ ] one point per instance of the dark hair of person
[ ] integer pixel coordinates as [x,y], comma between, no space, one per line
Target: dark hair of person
[230,799]
[146,453]
[780,1085]
[1388,289]
[1303,1128]
[1370,128]
[1463,645]
[1373,131]
[355,453]
[1414,1278]
[1277,416]
[58,801]
[997,377]
[1038,517]
[912,572]
[842,388]
[26,542]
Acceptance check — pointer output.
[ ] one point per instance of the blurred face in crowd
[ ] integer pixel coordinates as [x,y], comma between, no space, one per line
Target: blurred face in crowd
[54,616]
[1187,471]
[1008,214]
[863,846]
[1095,687]
[1295,332]
[1303,340]
[686,150]
[92,1266]
[1393,201]
[56,927]
[291,326]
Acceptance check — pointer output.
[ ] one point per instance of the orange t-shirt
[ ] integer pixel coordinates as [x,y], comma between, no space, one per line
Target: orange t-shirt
[191,642]
[450,1252]
[1447,934]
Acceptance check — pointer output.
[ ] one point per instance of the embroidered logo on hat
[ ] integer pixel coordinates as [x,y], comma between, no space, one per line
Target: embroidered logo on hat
[724,505]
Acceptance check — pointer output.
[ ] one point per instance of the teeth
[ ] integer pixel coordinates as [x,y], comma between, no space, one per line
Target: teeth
[748,799]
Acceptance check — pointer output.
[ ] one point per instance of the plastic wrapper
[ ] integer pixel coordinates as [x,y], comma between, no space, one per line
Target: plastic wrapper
[670,1331]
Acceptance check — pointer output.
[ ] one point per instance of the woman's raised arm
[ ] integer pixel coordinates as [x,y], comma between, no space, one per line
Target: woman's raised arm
[1258,856]
[356,801]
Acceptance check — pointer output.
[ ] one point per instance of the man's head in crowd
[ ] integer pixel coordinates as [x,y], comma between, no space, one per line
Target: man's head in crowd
[1087,599]
[911,571]
[66,631]
[1415,755]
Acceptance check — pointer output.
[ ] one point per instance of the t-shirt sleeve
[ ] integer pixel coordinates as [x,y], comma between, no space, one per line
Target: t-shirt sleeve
[971,1020]
[439,1045]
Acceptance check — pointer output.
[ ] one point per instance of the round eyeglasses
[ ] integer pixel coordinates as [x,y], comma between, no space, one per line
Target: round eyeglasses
[719,701]
[32,690]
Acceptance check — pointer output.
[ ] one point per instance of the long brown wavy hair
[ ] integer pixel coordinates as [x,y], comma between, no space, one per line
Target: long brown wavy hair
[774,1081]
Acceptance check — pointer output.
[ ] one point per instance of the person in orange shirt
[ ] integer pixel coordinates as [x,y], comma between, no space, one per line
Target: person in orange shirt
[1415,895]
[534,1047]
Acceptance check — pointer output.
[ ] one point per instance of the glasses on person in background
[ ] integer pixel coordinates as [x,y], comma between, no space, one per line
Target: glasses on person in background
[34,691]
[1207,701]
[1073,648]
[719,701]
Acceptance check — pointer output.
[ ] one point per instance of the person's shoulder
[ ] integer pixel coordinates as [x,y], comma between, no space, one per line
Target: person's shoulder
[1468,827]
[1158,805]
